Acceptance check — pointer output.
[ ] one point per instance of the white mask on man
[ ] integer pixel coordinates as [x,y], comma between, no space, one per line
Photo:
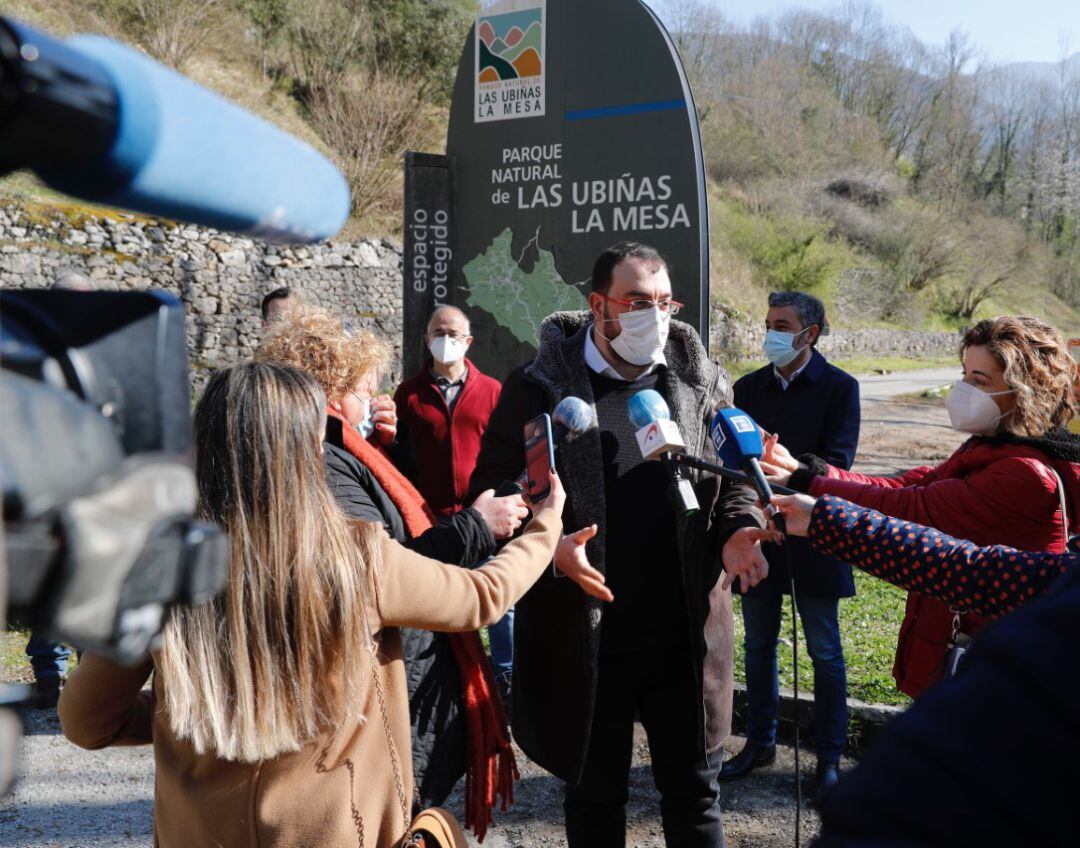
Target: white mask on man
[644,334]
[447,350]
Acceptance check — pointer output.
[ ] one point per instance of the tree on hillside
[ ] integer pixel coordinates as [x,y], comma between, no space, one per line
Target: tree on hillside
[422,40]
[170,30]
[327,40]
[268,19]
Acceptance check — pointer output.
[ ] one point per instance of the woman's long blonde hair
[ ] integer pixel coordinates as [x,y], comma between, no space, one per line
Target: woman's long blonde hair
[282,654]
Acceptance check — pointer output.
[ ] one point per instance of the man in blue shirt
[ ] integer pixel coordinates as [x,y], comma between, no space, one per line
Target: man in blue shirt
[814,408]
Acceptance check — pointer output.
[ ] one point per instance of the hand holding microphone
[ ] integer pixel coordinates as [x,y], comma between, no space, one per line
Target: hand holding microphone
[796,510]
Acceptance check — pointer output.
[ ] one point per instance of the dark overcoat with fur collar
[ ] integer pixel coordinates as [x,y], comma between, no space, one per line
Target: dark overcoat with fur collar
[557,626]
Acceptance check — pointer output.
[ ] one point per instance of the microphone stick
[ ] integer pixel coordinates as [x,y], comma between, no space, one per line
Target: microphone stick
[724,471]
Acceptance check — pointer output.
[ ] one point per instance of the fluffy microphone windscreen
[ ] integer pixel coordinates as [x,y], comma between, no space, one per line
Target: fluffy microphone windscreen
[645,407]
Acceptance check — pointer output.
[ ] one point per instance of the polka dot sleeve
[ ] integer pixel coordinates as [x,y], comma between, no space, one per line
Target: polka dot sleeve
[989,581]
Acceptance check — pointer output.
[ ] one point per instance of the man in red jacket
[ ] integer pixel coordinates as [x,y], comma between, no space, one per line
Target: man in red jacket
[443,411]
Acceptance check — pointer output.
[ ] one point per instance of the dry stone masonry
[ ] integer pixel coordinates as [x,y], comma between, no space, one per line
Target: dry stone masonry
[220,278]
[737,340]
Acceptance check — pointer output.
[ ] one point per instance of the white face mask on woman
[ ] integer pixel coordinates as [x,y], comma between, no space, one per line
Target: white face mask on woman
[644,334]
[971,410]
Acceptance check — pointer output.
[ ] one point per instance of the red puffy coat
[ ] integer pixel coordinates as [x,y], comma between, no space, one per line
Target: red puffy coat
[993,491]
[439,446]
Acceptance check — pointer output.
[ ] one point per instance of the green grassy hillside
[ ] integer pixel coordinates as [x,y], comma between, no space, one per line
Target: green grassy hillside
[874,178]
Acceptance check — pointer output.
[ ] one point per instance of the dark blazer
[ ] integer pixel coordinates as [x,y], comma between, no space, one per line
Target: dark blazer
[819,414]
[438,727]
[556,625]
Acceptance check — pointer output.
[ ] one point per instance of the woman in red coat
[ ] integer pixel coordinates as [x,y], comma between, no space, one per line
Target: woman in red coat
[1016,482]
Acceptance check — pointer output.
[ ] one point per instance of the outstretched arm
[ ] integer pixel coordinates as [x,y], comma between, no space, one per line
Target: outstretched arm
[104,704]
[990,581]
[414,591]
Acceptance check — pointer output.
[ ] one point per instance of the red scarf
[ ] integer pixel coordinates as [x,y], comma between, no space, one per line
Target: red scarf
[490,769]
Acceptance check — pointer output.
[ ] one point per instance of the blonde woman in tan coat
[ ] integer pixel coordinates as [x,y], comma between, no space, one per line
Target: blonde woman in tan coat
[278,712]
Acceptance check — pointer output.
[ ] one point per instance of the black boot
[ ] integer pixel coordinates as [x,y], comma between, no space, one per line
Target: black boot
[748,759]
[826,777]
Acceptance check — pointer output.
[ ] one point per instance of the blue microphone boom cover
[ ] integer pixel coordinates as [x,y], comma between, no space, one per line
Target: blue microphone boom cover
[735,436]
[186,153]
[646,407]
[571,417]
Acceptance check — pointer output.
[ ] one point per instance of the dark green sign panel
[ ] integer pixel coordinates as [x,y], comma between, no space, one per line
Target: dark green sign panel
[572,127]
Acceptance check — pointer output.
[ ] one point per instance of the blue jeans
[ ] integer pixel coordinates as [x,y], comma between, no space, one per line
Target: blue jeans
[48,659]
[821,626]
[501,642]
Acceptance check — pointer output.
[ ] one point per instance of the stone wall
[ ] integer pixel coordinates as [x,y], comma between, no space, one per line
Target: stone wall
[733,341]
[220,278]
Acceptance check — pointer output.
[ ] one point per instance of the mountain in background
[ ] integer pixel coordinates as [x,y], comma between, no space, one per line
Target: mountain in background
[1049,72]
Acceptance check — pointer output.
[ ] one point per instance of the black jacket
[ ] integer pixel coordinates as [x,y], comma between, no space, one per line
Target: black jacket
[438,728]
[557,626]
[819,414]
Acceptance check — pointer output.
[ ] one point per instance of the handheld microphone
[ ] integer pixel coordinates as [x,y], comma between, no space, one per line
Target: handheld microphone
[737,440]
[569,419]
[656,433]
[98,120]
[658,437]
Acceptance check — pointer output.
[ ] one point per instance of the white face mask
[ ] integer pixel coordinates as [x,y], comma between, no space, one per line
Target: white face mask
[447,350]
[365,426]
[644,334]
[971,410]
[780,347]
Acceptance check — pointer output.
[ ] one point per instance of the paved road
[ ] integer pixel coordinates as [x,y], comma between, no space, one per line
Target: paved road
[883,386]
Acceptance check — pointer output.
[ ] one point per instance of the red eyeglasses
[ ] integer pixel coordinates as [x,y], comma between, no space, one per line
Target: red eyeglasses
[672,307]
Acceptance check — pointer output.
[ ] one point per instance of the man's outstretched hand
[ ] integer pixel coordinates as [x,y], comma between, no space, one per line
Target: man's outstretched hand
[743,557]
[570,559]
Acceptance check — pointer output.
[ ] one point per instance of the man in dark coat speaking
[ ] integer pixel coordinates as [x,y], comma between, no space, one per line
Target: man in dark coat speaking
[814,408]
[651,635]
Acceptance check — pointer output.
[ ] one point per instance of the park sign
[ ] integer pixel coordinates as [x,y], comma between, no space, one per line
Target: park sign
[572,127]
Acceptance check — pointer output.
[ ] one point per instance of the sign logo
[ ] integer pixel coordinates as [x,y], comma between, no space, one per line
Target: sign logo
[510,60]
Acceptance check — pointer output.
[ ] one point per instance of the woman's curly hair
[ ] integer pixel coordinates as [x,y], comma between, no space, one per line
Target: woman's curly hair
[1036,363]
[337,355]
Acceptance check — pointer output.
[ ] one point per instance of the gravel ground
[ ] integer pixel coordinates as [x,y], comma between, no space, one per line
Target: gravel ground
[81,799]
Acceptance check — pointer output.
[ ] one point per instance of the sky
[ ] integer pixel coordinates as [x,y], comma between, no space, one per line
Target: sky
[1006,30]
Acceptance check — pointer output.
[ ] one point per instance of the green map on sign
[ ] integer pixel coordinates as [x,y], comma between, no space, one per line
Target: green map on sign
[519,301]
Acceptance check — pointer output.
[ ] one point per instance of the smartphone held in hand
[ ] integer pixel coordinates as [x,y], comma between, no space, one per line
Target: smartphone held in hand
[539,457]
